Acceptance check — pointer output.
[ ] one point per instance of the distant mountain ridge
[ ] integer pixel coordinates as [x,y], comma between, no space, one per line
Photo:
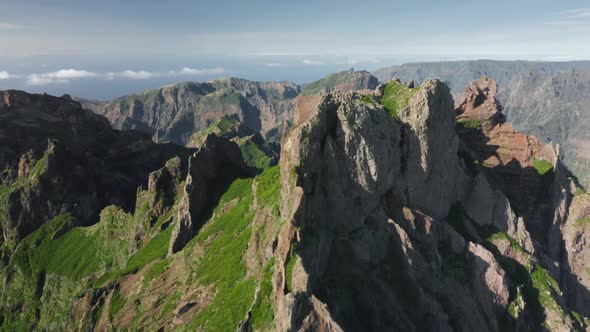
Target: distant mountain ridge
[173,113]
[457,74]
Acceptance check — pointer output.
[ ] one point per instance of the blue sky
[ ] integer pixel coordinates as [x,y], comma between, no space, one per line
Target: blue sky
[102,49]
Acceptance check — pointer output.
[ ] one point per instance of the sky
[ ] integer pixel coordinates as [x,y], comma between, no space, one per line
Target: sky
[108,48]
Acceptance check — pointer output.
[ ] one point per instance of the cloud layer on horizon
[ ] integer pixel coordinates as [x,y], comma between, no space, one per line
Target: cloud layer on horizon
[64,76]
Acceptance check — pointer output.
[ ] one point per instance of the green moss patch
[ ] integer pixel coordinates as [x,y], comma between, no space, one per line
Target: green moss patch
[469,123]
[395,97]
[542,166]
[583,222]
[368,99]
[117,303]
[546,287]
[580,192]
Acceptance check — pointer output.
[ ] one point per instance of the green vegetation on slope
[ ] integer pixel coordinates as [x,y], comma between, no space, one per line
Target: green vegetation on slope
[6,190]
[71,254]
[582,222]
[262,312]
[156,248]
[218,127]
[225,238]
[255,150]
[542,166]
[254,154]
[395,97]
[491,234]
[469,123]
[368,99]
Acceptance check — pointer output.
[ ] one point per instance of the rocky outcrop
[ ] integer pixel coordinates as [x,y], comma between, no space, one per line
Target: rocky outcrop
[57,157]
[576,255]
[210,172]
[377,208]
[484,131]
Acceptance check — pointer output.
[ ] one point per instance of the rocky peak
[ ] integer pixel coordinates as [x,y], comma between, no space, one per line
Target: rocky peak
[393,202]
[352,159]
[479,100]
[430,164]
[514,155]
[215,165]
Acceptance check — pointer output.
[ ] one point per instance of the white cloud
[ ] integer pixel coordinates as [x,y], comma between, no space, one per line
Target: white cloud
[8,26]
[197,72]
[129,74]
[4,75]
[65,75]
[312,62]
[61,76]
[36,79]
[274,64]
[135,75]
[70,73]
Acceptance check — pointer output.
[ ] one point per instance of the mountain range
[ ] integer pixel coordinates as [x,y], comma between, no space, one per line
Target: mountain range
[531,92]
[341,205]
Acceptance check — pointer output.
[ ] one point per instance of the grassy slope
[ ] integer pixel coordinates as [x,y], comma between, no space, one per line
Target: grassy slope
[226,241]
[58,262]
